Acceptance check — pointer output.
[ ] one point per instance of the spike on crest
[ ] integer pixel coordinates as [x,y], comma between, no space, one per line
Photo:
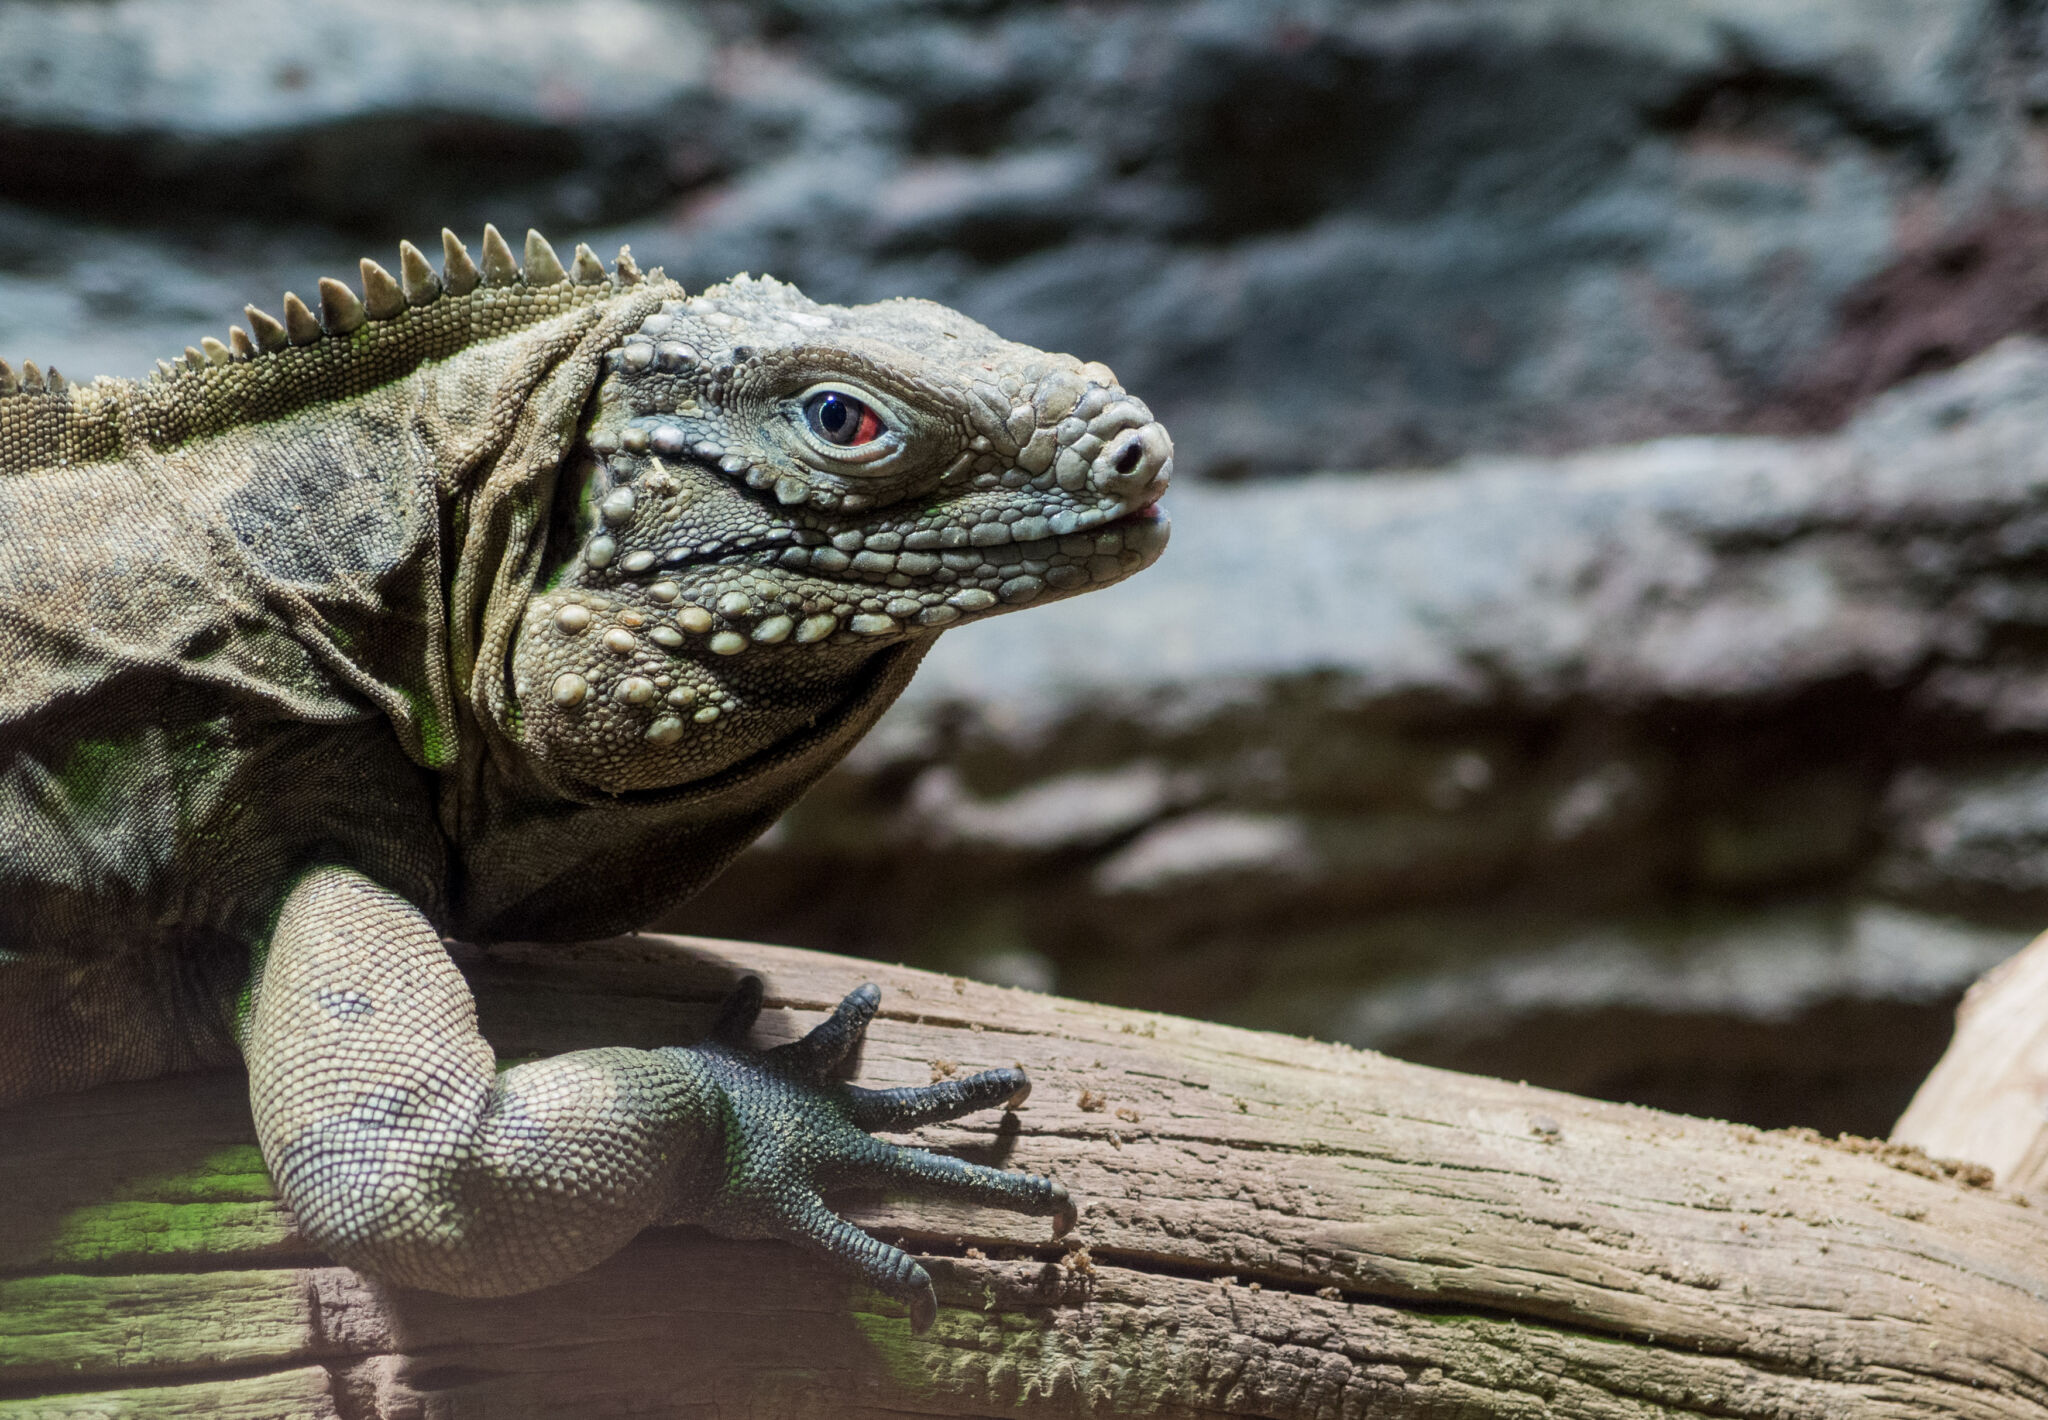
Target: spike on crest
[341,311]
[300,324]
[629,274]
[543,267]
[270,333]
[500,269]
[31,377]
[422,286]
[10,383]
[240,344]
[165,370]
[215,352]
[588,270]
[195,359]
[57,383]
[458,273]
[381,296]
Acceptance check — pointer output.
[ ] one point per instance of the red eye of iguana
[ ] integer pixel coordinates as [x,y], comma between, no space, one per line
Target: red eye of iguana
[841,419]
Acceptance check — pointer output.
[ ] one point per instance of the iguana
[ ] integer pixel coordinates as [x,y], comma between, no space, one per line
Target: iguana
[503,603]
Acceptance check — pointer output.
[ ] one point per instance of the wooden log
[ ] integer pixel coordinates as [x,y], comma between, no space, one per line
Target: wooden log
[1271,1227]
[1986,1100]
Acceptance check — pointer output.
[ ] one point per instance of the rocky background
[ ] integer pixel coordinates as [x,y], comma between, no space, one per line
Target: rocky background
[1702,771]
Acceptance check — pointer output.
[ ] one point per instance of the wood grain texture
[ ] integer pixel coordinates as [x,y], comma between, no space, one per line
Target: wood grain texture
[1272,1227]
[1986,1100]
[303,1391]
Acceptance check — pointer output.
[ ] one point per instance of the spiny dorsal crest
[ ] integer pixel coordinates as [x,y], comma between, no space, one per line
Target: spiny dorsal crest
[352,344]
[31,380]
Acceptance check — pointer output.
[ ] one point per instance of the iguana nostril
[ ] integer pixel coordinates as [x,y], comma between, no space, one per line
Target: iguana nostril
[1137,459]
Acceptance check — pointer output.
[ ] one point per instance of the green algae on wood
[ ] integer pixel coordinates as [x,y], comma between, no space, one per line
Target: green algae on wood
[223,1205]
[302,1393]
[55,1326]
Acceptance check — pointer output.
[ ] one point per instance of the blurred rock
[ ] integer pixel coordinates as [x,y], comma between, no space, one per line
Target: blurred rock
[360,113]
[1537,754]
[236,69]
[1315,235]
[1444,762]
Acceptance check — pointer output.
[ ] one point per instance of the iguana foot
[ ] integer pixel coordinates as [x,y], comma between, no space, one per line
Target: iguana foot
[792,1133]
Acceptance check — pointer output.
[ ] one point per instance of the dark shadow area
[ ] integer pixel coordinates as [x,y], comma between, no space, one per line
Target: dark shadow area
[398,172]
[1840,1067]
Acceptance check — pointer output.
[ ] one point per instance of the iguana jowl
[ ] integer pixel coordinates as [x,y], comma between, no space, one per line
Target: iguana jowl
[502,603]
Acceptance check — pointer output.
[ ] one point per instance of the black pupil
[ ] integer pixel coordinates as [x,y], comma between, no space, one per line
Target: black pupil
[837,417]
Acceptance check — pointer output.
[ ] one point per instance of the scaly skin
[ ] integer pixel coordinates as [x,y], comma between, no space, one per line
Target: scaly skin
[502,604]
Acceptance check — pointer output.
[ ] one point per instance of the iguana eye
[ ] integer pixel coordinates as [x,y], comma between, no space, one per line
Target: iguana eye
[841,419]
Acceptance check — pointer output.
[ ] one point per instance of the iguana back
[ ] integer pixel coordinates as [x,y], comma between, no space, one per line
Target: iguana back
[224,613]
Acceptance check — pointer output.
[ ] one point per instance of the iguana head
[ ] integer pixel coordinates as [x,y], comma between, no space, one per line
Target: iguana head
[768,492]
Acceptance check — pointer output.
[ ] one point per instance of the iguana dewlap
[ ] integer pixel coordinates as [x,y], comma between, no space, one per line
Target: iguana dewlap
[500,603]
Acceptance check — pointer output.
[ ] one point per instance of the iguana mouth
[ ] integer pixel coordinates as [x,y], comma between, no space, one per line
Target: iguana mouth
[1150,512]
[1142,530]
[999,538]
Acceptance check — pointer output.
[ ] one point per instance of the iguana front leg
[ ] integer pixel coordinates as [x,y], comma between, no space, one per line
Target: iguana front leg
[405,1154]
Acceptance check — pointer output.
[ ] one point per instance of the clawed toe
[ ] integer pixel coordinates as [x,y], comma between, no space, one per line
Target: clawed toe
[833,1038]
[737,1013]
[924,1309]
[913,1105]
[1065,1212]
[919,1173]
[888,1269]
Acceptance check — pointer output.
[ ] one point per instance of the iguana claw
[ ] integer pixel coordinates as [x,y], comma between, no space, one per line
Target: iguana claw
[793,1132]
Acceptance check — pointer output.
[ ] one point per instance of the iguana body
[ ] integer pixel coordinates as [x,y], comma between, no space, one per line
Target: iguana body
[500,604]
